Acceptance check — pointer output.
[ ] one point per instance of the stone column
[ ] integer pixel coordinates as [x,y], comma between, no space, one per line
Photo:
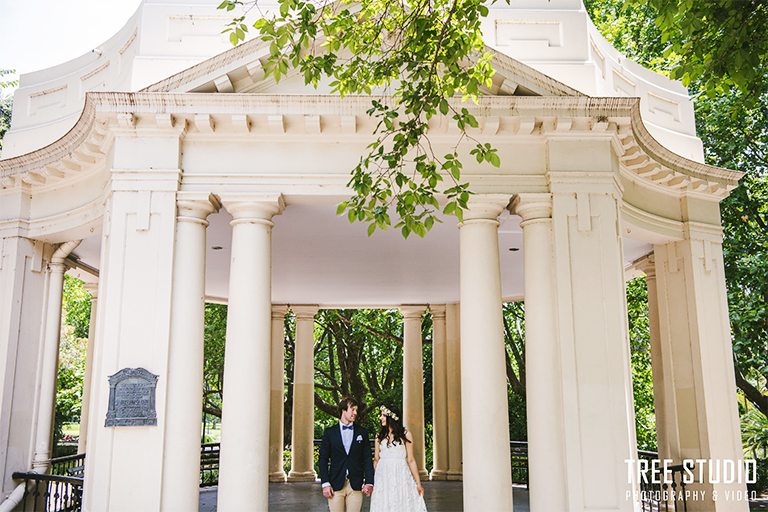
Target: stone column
[303,430]
[183,419]
[647,264]
[133,324]
[439,395]
[413,382]
[277,394]
[546,464]
[578,336]
[698,380]
[50,356]
[23,287]
[487,472]
[244,463]
[93,289]
[453,389]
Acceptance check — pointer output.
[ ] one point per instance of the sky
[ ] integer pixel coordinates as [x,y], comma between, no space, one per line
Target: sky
[38,34]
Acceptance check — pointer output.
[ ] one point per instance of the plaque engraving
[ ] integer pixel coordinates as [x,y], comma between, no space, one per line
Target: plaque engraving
[132,398]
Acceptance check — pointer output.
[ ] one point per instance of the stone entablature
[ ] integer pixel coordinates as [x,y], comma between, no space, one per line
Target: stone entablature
[201,115]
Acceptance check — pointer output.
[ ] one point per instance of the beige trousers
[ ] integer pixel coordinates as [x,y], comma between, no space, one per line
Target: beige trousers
[352,499]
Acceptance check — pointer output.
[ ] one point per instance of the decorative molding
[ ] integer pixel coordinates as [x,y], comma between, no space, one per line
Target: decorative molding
[48,91]
[566,116]
[348,124]
[204,123]
[95,72]
[312,124]
[276,124]
[224,84]
[128,42]
[241,123]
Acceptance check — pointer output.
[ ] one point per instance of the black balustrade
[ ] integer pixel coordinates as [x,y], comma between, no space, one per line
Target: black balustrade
[209,464]
[52,493]
[62,489]
[668,493]
[72,465]
[518,454]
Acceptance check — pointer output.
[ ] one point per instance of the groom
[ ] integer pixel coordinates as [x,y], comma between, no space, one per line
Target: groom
[349,450]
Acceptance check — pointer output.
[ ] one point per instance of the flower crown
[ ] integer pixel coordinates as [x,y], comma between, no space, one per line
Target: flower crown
[387,412]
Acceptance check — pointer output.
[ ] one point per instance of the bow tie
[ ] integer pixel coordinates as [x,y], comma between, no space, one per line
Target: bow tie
[347,427]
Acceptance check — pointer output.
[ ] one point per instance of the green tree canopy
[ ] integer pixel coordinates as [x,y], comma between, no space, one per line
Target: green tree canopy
[421,54]
[718,44]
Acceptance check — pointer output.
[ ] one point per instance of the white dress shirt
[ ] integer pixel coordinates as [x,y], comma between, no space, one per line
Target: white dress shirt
[347,435]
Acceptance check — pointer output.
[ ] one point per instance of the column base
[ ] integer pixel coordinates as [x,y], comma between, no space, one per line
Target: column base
[455,476]
[423,474]
[438,474]
[278,476]
[306,476]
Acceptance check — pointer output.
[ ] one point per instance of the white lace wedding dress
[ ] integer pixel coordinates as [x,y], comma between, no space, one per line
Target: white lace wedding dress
[394,488]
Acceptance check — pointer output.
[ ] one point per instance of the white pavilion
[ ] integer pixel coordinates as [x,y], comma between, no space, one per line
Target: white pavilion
[163,171]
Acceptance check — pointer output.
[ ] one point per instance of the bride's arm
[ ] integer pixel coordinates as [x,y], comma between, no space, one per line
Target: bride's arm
[376,453]
[412,462]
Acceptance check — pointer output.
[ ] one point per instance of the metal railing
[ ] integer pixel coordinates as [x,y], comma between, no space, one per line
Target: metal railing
[209,464]
[52,493]
[518,454]
[62,489]
[666,494]
[72,465]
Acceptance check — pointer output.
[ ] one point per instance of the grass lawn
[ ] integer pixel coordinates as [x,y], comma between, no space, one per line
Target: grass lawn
[71,429]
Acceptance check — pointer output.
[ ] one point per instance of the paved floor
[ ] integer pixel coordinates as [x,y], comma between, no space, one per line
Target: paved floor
[306,497]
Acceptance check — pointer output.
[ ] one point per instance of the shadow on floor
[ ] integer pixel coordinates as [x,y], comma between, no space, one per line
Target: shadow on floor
[307,497]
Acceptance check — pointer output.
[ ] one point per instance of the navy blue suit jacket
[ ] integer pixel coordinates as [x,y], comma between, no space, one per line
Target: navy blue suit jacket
[334,462]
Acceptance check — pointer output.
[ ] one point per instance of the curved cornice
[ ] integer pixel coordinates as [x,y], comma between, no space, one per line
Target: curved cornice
[56,150]
[674,161]
[532,115]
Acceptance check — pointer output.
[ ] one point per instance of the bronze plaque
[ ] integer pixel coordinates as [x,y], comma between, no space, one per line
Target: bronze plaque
[132,398]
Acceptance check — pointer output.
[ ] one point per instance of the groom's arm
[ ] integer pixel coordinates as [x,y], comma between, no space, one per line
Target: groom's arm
[367,460]
[324,453]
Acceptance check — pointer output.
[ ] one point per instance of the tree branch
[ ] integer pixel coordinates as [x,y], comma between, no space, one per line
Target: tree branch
[751,392]
[371,330]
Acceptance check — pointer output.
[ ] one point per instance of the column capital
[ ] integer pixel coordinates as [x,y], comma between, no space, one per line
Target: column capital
[254,208]
[484,207]
[58,267]
[532,206]
[569,182]
[279,311]
[305,311]
[93,289]
[647,265]
[195,207]
[437,311]
[700,231]
[412,311]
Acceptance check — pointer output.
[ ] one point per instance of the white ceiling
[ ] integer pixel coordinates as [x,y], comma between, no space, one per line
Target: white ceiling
[320,258]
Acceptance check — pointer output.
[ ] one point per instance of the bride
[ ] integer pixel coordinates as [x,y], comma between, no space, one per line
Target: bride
[398,488]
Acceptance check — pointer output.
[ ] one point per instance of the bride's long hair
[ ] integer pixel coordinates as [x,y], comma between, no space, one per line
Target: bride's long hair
[395,423]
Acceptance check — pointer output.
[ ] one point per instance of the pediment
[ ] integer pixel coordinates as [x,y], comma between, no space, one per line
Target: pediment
[241,70]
